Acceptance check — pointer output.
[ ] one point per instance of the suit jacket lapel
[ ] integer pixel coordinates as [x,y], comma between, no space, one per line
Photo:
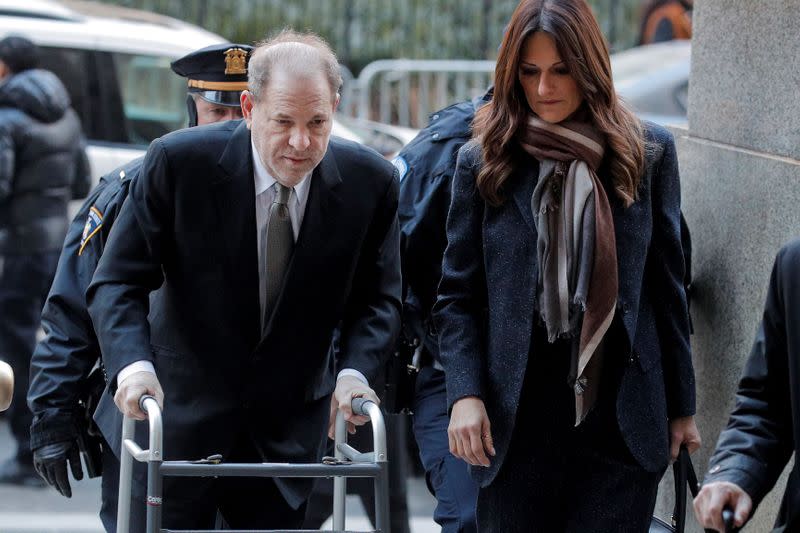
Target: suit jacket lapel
[318,221]
[234,195]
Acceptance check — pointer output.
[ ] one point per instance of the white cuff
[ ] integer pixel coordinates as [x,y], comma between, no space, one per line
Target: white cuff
[351,372]
[138,366]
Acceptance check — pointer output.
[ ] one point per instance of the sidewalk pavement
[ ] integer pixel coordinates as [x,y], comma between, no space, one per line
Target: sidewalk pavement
[26,510]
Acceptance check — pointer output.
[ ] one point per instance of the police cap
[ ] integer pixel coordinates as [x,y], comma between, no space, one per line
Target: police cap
[217,73]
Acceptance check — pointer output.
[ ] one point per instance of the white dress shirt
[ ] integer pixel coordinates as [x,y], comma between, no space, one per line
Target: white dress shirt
[265,194]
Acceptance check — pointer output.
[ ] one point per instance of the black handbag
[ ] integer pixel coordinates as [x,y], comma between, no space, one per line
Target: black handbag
[685,476]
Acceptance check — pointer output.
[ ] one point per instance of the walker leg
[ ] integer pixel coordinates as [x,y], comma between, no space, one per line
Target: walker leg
[125,478]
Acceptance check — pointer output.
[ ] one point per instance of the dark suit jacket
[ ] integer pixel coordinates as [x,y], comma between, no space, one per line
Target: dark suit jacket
[189,227]
[764,428]
[485,310]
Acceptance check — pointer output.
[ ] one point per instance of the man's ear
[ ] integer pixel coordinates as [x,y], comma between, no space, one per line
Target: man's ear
[247,101]
[336,102]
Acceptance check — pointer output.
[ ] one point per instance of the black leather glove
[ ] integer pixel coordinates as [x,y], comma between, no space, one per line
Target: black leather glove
[51,460]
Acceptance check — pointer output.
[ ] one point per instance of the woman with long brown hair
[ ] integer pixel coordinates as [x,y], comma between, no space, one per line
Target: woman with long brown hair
[563,321]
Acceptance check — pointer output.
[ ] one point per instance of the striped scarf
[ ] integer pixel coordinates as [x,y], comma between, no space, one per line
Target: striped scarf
[576,248]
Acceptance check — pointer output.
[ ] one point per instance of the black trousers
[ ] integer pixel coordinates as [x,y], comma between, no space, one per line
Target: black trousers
[193,503]
[24,283]
[561,478]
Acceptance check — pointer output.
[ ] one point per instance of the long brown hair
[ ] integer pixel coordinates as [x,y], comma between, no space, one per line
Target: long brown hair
[583,49]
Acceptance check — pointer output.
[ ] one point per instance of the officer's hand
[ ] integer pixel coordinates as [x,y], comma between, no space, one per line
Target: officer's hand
[347,388]
[470,433]
[683,431]
[51,460]
[132,389]
[714,497]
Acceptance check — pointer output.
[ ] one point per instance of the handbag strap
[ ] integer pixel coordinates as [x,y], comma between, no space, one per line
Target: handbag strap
[684,473]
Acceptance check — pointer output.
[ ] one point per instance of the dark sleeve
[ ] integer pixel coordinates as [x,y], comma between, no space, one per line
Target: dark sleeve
[371,320]
[66,355]
[7,161]
[665,262]
[424,202]
[130,267]
[756,444]
[462,290]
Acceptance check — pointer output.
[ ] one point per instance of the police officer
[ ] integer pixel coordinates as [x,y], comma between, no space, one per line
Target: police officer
[64,359]
[42,167]
[426,168]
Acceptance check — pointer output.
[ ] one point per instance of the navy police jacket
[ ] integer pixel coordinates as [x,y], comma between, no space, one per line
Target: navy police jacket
[63,359]
[426,167]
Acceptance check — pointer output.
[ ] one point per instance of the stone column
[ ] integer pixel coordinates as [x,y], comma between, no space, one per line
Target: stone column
[740,174]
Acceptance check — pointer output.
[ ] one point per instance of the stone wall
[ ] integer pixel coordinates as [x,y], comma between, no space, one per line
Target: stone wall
[740,175]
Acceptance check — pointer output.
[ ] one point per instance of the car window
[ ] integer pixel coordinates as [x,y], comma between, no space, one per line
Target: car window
[73,67]
[153,97]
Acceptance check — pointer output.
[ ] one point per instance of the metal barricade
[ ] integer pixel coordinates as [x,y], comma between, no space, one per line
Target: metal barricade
[349,463]
[404,92]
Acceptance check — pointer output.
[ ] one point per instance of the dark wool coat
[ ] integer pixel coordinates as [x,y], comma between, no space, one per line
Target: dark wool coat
[485,309]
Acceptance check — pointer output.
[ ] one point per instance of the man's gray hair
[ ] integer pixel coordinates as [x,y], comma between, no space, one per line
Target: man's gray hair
[293,52]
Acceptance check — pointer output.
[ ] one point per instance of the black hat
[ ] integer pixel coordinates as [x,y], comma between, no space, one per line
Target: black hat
[216,73]
[19,53]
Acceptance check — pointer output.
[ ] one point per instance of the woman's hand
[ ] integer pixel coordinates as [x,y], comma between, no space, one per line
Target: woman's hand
[683,431]
[470,432]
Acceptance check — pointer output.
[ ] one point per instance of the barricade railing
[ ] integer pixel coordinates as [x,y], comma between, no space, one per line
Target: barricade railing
[403,92]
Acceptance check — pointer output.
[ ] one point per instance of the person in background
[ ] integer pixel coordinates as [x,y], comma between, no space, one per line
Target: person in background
[426,167]
[666,20]
[43,165]
[761,435]
[65,357]
[562,316]
[264,237]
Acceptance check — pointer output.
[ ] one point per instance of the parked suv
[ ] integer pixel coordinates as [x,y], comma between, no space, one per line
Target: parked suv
[115,64]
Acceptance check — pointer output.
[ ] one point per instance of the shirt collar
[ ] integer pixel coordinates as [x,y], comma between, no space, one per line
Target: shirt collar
[264,180]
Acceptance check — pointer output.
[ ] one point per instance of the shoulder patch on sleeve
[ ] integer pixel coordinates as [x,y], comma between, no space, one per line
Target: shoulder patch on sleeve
[93,224]
[401,165]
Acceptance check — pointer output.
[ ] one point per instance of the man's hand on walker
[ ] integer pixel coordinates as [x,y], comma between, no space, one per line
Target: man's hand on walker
[132,389]
[347,388]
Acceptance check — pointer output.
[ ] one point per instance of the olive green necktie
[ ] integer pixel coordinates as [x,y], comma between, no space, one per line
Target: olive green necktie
[280,243]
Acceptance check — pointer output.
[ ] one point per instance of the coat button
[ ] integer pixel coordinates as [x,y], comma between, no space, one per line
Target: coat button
[435,117]
[632,357]
[435,136]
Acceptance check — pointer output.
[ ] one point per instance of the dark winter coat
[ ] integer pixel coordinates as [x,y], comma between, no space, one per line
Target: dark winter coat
[42,162]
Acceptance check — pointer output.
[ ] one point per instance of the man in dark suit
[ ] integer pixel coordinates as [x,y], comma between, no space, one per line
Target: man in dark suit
[264,236]
[752,451]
